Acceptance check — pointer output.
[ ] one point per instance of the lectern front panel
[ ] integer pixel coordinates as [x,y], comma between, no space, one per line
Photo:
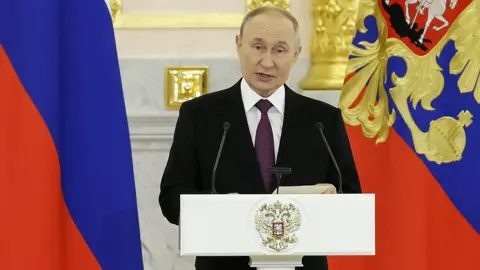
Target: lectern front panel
[249,225]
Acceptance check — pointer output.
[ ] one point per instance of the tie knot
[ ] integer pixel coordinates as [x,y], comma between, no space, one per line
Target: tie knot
[263,105]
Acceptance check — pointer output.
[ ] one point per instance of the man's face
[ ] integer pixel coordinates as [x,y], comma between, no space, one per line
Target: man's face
[267,49]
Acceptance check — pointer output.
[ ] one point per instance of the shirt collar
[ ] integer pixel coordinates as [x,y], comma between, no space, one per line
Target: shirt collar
[250,97]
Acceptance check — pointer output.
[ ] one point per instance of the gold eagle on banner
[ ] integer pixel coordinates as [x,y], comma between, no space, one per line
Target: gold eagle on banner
[364,100]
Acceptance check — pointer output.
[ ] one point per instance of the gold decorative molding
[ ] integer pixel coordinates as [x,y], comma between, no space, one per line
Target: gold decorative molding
[253,4]
[332,34]
[207,20]
[115,8]
[185,20]
[183,84]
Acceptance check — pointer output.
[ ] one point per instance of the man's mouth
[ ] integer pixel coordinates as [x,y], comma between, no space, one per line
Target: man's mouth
[264,75]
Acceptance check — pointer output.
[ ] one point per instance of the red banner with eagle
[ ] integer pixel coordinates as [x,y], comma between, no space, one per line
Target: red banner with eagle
[411,103]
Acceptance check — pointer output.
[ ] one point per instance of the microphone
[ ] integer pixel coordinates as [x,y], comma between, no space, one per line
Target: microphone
[226,126]
[319,127]
[279,172]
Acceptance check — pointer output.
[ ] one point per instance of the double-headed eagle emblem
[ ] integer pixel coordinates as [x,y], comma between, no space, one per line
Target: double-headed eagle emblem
[277,223]
[367,102]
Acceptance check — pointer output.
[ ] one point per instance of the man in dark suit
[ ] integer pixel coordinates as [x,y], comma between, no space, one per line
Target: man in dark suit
[270,125]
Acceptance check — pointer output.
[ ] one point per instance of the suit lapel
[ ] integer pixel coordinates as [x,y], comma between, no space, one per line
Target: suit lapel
[290,129]
[241,140]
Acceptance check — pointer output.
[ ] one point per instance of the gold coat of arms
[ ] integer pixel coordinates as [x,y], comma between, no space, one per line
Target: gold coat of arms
[277,223]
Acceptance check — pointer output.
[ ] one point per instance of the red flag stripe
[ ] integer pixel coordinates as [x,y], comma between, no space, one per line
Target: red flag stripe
[417,226]
[37,231]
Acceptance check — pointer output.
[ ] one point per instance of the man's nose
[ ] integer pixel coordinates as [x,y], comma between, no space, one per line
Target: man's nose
[267,60]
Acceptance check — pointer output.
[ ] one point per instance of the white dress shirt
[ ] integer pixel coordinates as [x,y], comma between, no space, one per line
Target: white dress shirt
[275,114]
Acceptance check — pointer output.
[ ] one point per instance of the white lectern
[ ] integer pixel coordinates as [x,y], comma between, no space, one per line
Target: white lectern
[276,231]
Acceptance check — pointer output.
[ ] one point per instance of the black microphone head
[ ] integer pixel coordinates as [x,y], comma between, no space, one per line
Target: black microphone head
[226,125]
[319,125]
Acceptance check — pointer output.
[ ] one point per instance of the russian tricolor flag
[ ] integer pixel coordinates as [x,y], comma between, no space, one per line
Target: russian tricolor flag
[67,191]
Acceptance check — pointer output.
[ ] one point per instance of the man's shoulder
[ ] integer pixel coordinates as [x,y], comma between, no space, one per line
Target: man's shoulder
[209,100]
[316,106]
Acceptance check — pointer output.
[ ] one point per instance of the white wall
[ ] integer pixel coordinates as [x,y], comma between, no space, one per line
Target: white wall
[195,43]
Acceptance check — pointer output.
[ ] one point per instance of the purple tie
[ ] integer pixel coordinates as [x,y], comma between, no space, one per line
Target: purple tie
[264,143]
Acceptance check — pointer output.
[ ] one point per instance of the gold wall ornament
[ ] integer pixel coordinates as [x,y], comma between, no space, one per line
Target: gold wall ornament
[253,4]
[364,99]
[332,34]
[182,20]
[183,84]
[115,8]
[277,223]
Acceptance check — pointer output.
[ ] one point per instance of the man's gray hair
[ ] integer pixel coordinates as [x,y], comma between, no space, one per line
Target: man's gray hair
[267,9]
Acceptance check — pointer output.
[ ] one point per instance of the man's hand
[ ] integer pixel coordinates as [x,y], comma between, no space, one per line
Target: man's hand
[329,188]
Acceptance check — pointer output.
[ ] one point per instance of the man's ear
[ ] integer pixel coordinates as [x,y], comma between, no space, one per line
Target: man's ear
[297,54]
[238,40]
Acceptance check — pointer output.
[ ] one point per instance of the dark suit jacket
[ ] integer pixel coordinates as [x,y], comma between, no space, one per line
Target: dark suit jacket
[196,141]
